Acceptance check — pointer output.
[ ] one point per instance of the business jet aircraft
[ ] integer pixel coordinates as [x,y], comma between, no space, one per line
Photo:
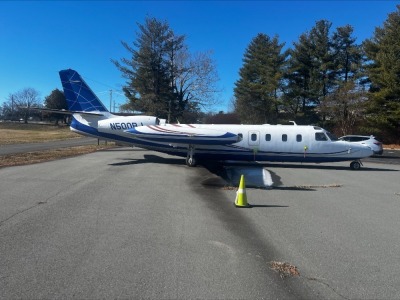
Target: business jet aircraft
[197,142]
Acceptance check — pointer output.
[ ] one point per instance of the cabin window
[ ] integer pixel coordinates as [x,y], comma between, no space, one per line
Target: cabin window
[253,137]
[284,137]
[267,137]
[299,138]
[240,135]
[320,136]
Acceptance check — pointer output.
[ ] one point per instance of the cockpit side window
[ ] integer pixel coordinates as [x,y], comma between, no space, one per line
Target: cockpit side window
[320,136]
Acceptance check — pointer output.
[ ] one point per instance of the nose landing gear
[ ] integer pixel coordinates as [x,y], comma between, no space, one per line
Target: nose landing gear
[356,165]
[190,160]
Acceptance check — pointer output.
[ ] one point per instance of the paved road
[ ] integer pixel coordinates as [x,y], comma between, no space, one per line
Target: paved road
[137,224]
[389,156]
[30,147]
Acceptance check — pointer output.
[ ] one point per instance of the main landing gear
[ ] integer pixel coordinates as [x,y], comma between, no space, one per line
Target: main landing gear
[190,160]
[356,165]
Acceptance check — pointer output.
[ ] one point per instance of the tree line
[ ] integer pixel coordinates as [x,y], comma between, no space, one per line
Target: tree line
[18,106]
[326,78]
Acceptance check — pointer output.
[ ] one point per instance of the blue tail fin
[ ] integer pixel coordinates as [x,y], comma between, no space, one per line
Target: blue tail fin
[79,96]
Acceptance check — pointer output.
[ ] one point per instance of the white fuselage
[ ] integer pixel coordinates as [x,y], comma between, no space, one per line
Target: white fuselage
[286,143]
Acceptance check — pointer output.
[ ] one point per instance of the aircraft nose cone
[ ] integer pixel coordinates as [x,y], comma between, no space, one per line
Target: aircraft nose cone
[364,151]
[370,152]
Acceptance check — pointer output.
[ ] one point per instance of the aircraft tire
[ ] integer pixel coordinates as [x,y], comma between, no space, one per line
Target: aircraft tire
[191,162]
[355,165]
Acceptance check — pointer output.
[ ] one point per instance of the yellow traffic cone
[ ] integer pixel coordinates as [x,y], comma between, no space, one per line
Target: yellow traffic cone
[241,198]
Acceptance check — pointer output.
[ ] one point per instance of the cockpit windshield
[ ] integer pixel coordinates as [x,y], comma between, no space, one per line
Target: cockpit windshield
[323,136]
[331,136]
[320,136]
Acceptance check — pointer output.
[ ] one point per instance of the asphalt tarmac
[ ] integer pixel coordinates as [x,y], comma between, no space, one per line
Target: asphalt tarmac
[131,223]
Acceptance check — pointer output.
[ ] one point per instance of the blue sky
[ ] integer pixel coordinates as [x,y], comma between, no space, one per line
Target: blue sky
[39,38]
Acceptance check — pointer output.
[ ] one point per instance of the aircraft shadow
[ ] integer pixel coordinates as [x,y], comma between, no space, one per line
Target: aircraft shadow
[224,172]
[386,157]
[294,166]
[218,167]
[267,206]
[293,188]
[324,167]
[148,158]
[124,149]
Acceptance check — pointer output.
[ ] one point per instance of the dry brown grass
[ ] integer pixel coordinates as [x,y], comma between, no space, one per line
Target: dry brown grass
[284,269]
[17,133]
[392,146]
[48,155]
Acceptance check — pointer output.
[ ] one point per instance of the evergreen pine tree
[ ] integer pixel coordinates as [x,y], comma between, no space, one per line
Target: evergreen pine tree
[344,102]
[56,100]
[347,55]
[298,75]
[257,90]
[147,72]
[322,75]
[383,69]
[163,78]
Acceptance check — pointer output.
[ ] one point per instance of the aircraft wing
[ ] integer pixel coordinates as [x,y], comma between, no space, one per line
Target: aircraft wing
[183,134]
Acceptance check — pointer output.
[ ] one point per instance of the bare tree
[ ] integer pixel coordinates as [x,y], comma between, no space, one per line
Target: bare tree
[345,106]
[23,100]
[195,81]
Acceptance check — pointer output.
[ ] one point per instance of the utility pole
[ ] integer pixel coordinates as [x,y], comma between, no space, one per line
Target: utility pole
[12,107]
[172,79]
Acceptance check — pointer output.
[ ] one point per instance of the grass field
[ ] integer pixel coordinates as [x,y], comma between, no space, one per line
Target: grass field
[19,133]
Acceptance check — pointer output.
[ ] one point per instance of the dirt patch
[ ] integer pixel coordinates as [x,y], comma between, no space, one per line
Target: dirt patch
[318,186]
[284,269]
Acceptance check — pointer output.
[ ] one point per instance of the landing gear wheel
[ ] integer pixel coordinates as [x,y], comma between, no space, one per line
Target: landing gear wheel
[191,162]
[355,165]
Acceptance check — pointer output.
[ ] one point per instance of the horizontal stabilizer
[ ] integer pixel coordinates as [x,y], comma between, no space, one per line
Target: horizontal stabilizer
[183,134]
[67,112]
